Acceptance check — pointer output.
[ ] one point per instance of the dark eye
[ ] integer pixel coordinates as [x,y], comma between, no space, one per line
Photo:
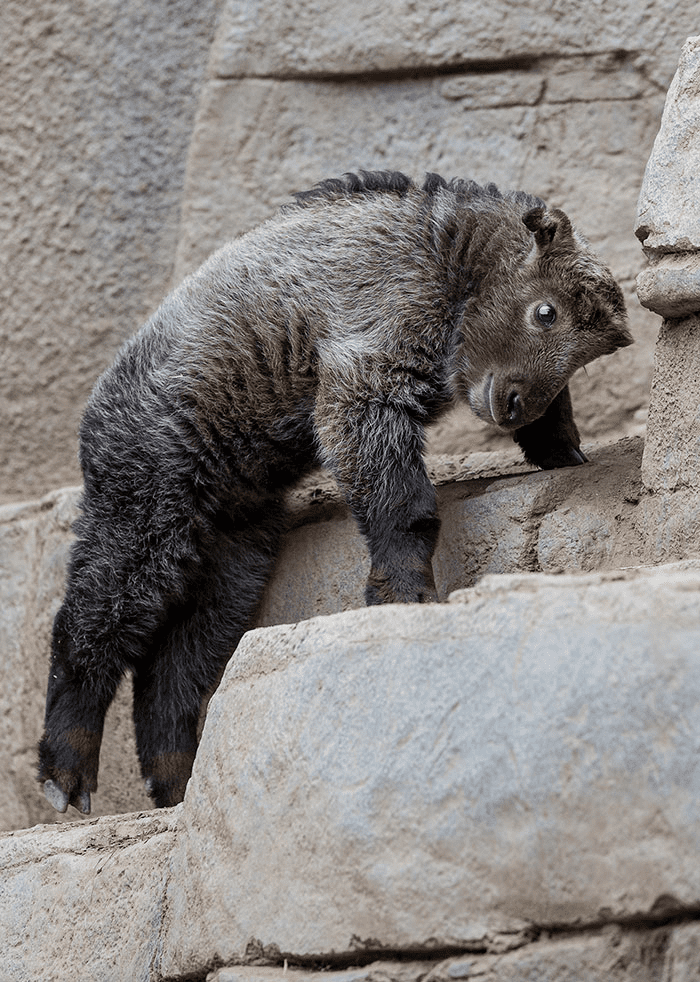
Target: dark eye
[546,314]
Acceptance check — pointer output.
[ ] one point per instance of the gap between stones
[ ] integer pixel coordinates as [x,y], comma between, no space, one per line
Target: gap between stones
[483,66]
[665,912]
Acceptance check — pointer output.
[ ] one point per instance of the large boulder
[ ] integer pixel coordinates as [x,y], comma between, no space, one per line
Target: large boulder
[402,777]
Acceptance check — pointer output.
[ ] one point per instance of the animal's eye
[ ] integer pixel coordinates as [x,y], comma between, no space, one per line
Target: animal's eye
[546,314]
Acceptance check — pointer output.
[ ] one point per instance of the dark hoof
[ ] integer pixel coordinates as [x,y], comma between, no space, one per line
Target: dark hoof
[84,803]
[565,457]
[57,797]
[166,777]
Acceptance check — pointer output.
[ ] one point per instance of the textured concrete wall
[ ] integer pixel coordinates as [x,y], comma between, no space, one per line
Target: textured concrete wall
[96,109]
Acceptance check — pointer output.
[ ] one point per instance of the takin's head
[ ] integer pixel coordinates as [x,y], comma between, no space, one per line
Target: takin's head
[536,320]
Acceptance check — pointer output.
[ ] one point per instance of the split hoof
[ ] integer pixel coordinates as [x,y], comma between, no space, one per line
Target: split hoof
[58,798]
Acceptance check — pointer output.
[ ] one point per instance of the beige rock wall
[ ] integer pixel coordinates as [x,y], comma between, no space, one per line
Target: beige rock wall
[84,902]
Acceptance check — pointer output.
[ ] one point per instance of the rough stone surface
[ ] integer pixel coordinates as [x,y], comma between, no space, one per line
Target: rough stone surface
[672,450]
[524,755]
[85,901]
[665,954]
[612,954]
[497,516]
[668,217]
[96,110]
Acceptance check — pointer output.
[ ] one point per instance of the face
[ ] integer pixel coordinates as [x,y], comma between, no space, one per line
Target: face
[524,341]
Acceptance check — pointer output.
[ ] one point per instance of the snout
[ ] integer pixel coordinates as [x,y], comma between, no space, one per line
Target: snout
[513,402]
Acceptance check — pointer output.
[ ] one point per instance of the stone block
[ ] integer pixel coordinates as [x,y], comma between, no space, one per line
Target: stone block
[611,954]
[670,285]
[322,569]
[491,90]
[84,901]
[351,38]
[426,775]
[668,212]
[608,955]
[672,449]
[683,954]
[497,515]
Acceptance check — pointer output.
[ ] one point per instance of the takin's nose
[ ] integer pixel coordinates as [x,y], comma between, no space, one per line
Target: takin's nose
[515,408]
[505,401]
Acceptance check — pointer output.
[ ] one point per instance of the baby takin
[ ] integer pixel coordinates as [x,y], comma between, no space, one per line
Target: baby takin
[331,335]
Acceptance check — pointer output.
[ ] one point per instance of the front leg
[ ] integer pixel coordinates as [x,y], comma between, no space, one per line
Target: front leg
[375,450]
[552,440]
[401,543]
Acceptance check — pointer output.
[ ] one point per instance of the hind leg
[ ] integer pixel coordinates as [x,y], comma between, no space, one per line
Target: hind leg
[195,645]
[115,603]
[76,703]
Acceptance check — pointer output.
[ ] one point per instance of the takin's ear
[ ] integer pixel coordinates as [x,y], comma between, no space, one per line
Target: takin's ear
[552,229]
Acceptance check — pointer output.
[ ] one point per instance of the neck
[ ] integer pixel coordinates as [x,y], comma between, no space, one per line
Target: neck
[474,237]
